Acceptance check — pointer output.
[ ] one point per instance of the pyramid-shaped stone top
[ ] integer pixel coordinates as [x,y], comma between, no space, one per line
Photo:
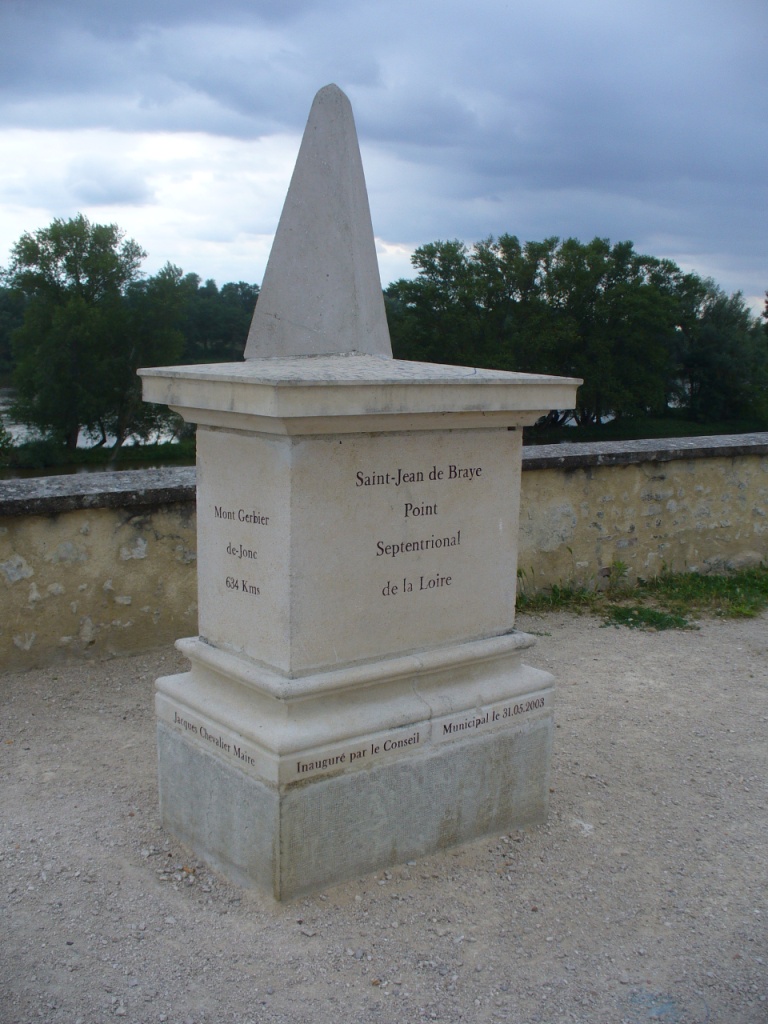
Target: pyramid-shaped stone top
[321,294]
[322,298]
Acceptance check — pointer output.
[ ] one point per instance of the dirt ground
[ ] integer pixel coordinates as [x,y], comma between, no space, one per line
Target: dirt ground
[641,899]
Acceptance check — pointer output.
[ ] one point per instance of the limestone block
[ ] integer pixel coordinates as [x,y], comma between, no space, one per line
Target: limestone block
[316,551]
[290,785]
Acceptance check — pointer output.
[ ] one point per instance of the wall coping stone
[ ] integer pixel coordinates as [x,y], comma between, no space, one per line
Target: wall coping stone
[50,495]
[625,453]
[152,488]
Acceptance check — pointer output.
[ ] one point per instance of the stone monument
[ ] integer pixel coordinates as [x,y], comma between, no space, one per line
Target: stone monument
[356,696]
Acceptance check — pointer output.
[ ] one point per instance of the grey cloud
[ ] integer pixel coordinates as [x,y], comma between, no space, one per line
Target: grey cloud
[140,57]
[571,117]
[100,183]
[71,185]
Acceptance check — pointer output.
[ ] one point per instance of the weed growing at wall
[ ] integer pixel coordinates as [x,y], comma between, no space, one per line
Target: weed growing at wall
[640,617]
[736,595]
[672,600]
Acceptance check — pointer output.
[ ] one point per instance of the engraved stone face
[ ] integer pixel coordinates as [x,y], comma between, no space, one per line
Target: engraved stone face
[318,552]
[243,536]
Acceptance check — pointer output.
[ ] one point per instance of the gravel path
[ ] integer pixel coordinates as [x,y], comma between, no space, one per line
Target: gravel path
[642,898]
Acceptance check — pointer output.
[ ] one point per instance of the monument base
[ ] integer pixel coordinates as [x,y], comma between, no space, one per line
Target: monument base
[270,782]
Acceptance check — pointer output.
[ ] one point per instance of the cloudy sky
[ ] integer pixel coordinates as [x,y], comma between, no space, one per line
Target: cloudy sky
[180,121]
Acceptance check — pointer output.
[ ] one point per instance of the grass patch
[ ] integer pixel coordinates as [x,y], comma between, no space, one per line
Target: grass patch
[640,617]
[738,595]
[672,600]
[559,598]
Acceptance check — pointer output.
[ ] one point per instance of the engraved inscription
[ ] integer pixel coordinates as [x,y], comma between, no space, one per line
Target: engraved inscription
[362,752]
[411,510]
[240,515]
[390,589]
[240,551]
[242,755]
[242,586]
[215,739]
[507,712]
[464,472]
[400,476]
[426,544]
[186,725]
[369,750]
[396,478]
[418,509]
[359,754]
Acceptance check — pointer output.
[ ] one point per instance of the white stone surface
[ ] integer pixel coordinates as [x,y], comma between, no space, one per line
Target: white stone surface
[322,291]
[342,826]
[356,695]
[331,394]
[356,768]
[280,730]
[323,551]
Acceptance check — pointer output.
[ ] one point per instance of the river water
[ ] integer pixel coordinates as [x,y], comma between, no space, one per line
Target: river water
[20,432]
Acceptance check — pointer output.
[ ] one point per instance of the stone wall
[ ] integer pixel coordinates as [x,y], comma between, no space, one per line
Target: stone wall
[96,565]
[699,504]
[104,564]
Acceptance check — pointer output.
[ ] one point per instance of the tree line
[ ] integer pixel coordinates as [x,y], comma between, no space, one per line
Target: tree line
[78,318]
[646,337]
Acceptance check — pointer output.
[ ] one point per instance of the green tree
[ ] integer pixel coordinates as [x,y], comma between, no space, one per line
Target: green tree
[88,325]
[11,318]
[614,318]
[149,329]
[642,334]
[721,356]
[216,321]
